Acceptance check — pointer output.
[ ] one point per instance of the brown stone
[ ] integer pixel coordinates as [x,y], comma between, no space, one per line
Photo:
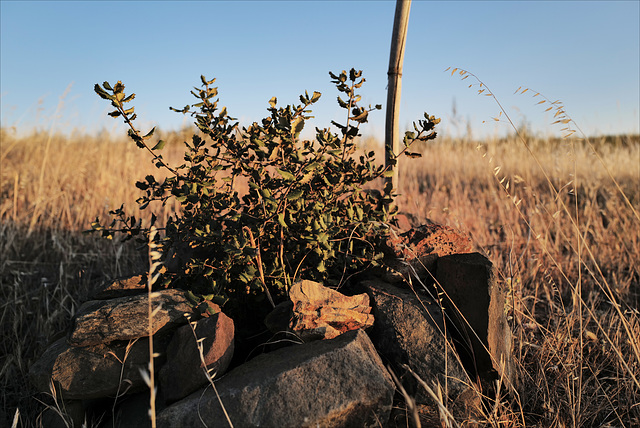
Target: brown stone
[125,318]
[322,313]
[95,371]
[183,372]
[329,383]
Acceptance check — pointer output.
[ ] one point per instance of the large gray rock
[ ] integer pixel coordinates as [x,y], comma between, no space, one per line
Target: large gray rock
[410,329]
[125,318]
[183,372]
[476,303]
[94,371]
[339,382]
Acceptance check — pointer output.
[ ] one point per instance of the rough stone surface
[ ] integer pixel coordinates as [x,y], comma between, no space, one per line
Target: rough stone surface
[125,318]
[280,317]
[72,414]
[94,372]
[469,281]
[410,329]
[405,221]
[414,253]
[121,287]
[322,313]
[329,383]
[131,411]
[182,374]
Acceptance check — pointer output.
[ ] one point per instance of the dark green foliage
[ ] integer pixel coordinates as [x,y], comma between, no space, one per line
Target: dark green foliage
[305,216]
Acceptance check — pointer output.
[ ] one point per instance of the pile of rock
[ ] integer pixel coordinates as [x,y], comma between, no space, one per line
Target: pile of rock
[338,372]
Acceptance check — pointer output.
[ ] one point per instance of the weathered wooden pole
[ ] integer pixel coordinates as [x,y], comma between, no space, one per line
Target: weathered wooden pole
[392,123]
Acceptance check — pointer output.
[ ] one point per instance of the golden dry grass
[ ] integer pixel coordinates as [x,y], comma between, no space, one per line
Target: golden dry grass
[571,269]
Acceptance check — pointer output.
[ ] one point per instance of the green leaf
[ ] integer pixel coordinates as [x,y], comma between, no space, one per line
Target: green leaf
[295,194]
[413,155]
[312,166]
[315,97]
[323,238]
[192,297]
[286,175]
[362,117]
[265,193]
[281,220]
[273,101]
[297,126]
[150,133]
[159,146]
[102,93]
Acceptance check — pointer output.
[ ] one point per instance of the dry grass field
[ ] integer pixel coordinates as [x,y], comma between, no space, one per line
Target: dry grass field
[560,224]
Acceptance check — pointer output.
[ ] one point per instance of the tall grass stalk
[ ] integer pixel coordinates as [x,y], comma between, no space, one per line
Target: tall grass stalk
[155,263]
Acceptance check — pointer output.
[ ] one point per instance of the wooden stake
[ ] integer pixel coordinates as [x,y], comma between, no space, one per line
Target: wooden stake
[392,124]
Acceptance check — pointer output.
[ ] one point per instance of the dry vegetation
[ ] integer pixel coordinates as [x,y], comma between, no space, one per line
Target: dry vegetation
[566,245]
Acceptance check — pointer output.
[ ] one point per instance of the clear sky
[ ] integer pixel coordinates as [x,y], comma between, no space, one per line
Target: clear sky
[583,53]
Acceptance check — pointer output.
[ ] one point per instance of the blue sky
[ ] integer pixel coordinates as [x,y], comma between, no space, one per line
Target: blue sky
[585,54]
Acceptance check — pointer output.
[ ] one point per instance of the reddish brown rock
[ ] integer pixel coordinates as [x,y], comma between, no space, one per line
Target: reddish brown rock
[94,371]
[413,254]
[125,318]
[183,372]
[404,221]
[322,313]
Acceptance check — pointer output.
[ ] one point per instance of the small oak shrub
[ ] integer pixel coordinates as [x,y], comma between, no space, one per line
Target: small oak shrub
[306,214]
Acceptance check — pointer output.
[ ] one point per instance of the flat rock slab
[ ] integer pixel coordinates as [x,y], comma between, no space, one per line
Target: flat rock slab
[410,329]
[121,287]
[322,313]
[94,371]
[125,318]
[330,383]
